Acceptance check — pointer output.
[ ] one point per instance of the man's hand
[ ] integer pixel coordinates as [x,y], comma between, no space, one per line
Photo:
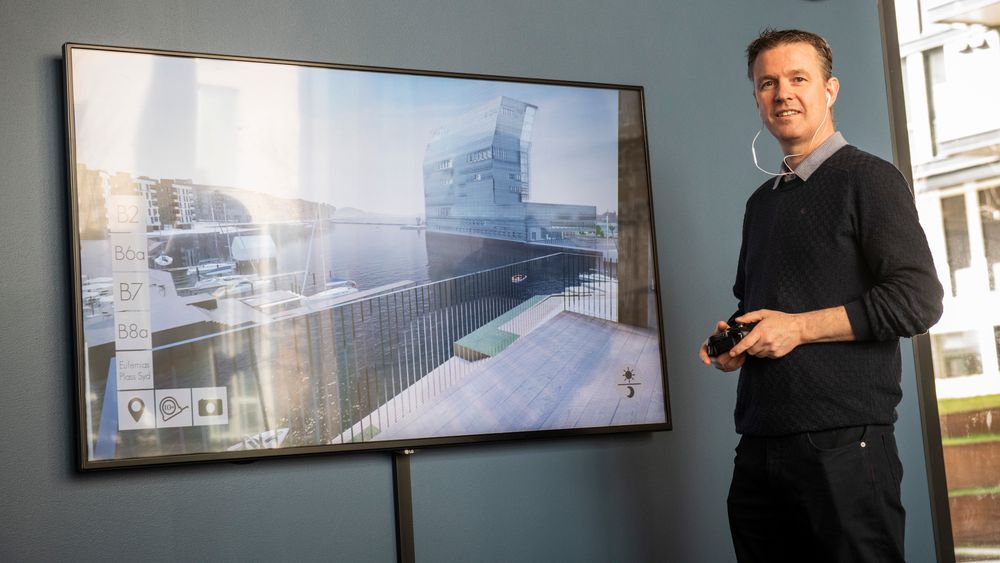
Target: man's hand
[775,335]
[723,362]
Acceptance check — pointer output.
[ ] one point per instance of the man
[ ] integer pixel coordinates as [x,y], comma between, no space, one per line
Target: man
[834,268]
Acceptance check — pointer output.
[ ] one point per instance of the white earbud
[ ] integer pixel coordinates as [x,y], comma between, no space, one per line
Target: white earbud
[829,100]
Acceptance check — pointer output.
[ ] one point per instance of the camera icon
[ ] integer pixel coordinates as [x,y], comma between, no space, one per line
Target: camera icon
[212,406]
[209,407]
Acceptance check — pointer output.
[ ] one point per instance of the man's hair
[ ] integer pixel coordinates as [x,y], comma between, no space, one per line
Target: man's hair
[771,38]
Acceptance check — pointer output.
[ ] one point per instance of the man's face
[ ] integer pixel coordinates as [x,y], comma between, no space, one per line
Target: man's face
[790,92]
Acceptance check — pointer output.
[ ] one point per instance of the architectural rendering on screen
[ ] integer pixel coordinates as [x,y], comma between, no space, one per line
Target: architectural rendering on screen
[477,179]
[278,256]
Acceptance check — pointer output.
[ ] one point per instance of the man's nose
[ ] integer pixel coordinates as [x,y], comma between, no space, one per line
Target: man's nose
[782,92]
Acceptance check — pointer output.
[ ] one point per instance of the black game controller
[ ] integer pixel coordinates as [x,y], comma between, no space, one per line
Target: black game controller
[724,341]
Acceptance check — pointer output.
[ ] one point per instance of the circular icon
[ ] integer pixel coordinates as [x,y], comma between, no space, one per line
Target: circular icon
[628,374]
[169,408]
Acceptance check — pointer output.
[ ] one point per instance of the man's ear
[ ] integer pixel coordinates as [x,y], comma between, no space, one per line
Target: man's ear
[832,89]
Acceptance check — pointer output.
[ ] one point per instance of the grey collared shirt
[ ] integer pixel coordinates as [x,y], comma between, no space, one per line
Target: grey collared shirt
[805,168]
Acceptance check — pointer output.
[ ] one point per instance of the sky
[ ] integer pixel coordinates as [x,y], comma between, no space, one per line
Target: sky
[345,137]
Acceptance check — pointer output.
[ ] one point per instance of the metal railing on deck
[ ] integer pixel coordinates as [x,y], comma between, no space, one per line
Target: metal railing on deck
[346,372]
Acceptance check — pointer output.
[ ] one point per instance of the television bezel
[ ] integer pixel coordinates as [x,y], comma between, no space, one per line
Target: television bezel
[79,359]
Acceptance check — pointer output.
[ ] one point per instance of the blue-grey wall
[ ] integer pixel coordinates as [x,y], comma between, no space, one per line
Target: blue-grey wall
[627,498]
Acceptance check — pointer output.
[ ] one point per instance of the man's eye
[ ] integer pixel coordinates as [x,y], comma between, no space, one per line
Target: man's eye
[799,79]
[766,84]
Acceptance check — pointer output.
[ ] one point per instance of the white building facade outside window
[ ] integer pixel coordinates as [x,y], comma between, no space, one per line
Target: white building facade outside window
[950,60]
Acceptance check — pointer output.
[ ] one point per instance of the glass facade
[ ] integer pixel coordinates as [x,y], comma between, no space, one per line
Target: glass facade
[477,179]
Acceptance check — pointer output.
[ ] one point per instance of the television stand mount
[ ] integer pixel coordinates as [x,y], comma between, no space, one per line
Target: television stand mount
[403,496]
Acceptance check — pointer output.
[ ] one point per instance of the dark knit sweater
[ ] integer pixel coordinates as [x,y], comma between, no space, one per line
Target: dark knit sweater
[849,235]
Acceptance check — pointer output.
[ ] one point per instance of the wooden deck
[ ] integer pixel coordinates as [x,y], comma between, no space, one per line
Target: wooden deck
[566,372]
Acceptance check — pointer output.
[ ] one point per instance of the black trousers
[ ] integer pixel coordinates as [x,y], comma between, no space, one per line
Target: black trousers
[818,496]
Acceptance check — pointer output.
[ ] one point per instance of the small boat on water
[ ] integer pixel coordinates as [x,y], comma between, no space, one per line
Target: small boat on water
[518,278]
[336,287]
[232,280]
[332,283]
[163,260]
[213,267]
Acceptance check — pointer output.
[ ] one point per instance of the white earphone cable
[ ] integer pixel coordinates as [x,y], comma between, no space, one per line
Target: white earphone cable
[753,148]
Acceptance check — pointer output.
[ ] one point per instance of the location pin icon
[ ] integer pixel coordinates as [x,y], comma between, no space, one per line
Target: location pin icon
[136,407]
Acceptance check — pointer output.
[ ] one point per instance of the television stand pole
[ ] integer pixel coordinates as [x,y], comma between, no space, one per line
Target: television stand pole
[404,505]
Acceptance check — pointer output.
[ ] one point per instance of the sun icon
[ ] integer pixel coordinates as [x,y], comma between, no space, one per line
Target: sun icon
[628,374]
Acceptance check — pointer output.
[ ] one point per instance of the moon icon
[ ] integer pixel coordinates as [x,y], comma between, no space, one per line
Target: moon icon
[631,392]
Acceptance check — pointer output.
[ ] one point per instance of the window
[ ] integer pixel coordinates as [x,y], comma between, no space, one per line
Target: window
[996,341]
[957,354]
[935,73]
[481,155]
[956,238]
[505,154]
[989,213]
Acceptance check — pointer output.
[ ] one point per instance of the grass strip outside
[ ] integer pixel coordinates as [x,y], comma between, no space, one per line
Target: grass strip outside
[968,404]
[970,439]
[975,491]
[977,552]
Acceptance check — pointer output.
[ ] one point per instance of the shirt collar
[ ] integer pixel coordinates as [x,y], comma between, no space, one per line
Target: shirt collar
[815,159]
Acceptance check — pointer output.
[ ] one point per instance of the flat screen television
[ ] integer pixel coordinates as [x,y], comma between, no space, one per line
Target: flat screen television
[276,258]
